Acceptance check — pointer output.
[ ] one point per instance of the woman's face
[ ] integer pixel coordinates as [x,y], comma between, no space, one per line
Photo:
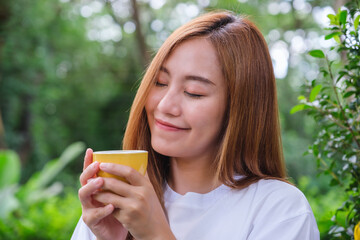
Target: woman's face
[186,105]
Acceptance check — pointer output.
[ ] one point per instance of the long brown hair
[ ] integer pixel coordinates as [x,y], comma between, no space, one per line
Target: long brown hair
[250,143]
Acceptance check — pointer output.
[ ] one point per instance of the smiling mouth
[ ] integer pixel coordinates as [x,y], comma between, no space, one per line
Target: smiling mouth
[168,126]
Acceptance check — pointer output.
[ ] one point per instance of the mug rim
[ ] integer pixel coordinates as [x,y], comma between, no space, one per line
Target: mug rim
[120,152]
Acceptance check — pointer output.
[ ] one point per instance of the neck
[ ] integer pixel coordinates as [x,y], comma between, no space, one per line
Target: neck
[192,175]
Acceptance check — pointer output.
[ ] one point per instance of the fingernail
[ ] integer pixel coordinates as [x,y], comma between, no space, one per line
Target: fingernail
[90,180]
[93,165]
[97,181]
[104,166]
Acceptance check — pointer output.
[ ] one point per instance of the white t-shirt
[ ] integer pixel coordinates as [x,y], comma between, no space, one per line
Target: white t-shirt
[267,209]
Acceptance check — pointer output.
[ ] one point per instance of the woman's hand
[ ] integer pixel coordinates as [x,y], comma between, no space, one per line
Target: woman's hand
[136,204]
[96,215]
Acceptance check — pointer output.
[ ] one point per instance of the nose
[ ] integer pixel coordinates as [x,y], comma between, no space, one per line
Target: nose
[170,103]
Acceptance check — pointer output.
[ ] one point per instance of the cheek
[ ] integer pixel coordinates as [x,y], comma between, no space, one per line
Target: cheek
[151,102]
[207,116]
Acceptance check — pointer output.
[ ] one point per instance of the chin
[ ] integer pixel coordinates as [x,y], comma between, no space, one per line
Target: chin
[165,150]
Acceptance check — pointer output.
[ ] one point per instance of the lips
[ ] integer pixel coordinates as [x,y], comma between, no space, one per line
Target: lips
[168,126]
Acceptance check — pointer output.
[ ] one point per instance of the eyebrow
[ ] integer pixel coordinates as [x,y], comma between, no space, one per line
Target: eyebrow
[189,77]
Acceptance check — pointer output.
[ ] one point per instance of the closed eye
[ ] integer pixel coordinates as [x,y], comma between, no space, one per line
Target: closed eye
[193,95]
[159,84]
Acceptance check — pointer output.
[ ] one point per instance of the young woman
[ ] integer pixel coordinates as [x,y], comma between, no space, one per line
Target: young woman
[207,113]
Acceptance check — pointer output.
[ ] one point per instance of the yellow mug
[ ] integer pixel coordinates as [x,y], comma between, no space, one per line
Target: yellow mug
[136,159]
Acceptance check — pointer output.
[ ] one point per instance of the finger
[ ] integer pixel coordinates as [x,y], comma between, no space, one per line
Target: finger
[111,198]
[88,158]
[119,215]
[86,191]
[94,215]
[117,186]
[130,174]
[89,172]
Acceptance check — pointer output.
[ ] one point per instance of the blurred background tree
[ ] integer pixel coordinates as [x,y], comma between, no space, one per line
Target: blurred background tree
[69,70]
[333,100]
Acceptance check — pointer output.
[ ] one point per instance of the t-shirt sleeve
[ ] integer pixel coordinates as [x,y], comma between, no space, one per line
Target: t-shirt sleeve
[301,227]
[82,232]
[283,214]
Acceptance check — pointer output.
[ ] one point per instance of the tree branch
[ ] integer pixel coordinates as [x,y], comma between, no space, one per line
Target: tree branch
[145,56]
[342,111]
[2,134]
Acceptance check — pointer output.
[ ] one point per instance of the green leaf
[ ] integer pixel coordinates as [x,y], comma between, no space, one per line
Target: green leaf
[317,53]
[348,94]
[333,19]
[342,16]
[334,182]
[331,35]
[314,92]
[39,181]
[297,108]
[8,200]
[315,150]
[9,168]
[324,72]
[356,22]
[301,97]
[342,73]
[337,39]
[52,168]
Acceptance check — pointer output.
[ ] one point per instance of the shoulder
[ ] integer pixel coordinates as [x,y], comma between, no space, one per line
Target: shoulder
[281,210]
[281,189]
[280,197]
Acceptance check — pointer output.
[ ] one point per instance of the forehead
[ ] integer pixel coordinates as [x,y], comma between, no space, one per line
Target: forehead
[195,56]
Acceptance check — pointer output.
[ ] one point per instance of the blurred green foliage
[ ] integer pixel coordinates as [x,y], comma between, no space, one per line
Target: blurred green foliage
[334,102]
[34,210]
[54,218]
[41,185]
[323,203]
[58,87]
